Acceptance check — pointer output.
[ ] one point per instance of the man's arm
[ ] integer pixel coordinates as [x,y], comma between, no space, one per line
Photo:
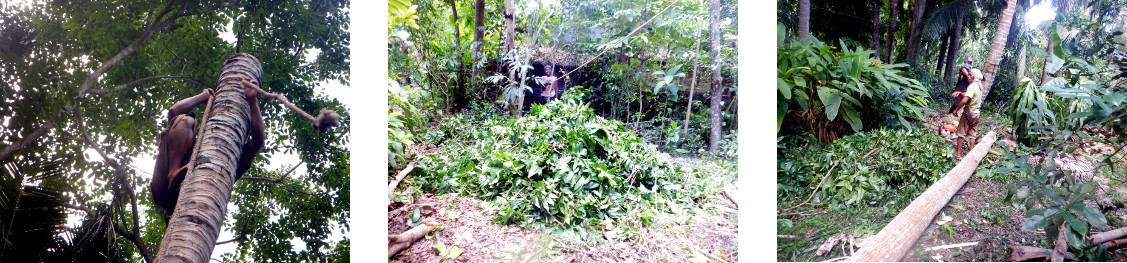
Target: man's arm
[257,129]
[184,106]
[959,104]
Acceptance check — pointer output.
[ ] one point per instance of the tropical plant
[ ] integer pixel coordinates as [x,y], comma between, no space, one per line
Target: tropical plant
[826,84]
[560,164]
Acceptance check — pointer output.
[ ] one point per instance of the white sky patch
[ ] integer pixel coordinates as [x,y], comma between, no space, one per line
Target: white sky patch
[1039,14]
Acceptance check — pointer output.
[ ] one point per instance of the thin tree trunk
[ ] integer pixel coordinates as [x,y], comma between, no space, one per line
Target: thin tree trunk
[478,36]
[918,9]
[894,7]
[692,90]
[898,237]
[876,28]
[510,28]
[1001,34]
[459,83]
[803,18]
[716,91]
[195,225]
[942,54]
[953,48]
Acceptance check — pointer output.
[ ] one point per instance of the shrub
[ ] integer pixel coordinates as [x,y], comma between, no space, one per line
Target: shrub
[559,164]
[826,84]
[872,164]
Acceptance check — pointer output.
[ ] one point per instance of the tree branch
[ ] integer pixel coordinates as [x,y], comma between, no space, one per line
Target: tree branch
[31,137]
[276,181]
[240,237]
[133,83]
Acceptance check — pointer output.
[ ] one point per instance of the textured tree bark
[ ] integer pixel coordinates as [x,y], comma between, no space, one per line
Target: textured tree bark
[803,19]
[198,219]
[918,9]
[953,48]
[716,91]
[1021,62]
[510,28]
[1001,34]
[894,8]
[898,237]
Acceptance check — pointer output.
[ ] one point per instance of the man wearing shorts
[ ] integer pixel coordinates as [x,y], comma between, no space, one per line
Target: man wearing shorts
[970,103]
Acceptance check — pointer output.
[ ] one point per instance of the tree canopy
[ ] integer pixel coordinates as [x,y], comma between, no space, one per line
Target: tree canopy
[84,89]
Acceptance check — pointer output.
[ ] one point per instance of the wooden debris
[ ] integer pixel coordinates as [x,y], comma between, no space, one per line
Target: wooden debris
[731,199]
[396,243]
[1111,239]
[399,177]
[952,246]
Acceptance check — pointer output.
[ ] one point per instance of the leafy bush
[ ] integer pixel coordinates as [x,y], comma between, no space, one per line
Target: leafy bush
[870,164]
[823,83]
[559,164]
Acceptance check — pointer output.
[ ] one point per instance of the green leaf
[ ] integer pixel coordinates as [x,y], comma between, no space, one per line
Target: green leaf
[782,35]
[784,88]
[852,118]
[831,98]
[1034,223]
[782,112]
[1095,217]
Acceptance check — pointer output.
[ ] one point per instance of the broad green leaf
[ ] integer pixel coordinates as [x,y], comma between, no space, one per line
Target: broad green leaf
[831,99]
[1095,217]
[852,118]
[784,89]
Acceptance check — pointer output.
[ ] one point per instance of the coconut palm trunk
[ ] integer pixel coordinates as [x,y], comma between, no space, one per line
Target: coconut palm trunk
[803,18]
[919,7]
[894,8]
[1001,34]
[198,219]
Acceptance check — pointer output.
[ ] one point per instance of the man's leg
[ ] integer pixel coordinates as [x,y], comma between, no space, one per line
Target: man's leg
[959,148]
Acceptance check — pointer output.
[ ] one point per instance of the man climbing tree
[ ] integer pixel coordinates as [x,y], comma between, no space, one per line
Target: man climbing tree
[176,143]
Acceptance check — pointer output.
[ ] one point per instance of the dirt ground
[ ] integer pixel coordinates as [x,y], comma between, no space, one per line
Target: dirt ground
[468,225]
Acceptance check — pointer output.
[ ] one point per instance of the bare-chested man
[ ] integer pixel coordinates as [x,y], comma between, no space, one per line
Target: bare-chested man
[176,142]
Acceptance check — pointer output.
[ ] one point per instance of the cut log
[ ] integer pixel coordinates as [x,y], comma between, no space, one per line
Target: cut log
[1060,246]
[898,237]
[396,243]
[399,177]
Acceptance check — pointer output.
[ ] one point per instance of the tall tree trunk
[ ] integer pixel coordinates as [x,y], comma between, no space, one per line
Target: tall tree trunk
[716,92]
[1021,62]
[460,100]
[803,18]
[914,35]
[942,54]
[876,28]
[953,48]
[1001,34]
[510,28]
[478,35]
[198,219]
[889,46]
[1045,66]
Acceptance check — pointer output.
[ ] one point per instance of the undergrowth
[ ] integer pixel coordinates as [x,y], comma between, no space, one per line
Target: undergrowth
[563,165]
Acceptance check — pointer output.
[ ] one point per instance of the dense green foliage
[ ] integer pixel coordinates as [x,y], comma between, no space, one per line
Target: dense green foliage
[561,164]
[826,84]
[866,166]
[58,75]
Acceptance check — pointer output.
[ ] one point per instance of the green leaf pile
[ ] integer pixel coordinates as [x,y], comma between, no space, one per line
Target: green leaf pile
[560,164]
[902,162]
